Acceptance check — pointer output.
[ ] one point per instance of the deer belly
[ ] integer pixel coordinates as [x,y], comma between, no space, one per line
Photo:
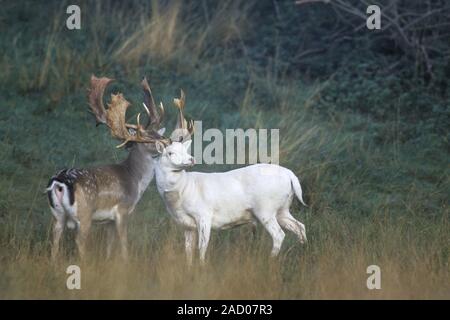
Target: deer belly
[230,219]
[104,216]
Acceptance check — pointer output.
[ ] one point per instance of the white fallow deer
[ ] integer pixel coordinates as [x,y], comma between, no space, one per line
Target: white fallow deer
[204,201]
[107,193]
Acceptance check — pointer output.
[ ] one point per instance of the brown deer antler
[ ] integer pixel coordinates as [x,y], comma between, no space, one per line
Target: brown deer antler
[95,97]
[155,117]
[184,129]
[114,116]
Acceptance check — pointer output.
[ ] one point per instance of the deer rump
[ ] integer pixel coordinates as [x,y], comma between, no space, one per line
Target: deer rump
[61,194]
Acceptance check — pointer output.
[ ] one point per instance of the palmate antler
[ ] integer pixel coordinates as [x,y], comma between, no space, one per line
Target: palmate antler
[155,117]
[95,97]
[114,116]
[184,128]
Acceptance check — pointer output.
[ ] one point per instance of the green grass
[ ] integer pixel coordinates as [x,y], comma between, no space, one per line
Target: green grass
[371,200]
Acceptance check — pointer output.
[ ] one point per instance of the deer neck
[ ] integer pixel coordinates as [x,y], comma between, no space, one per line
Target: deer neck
[169,180]
[140,166]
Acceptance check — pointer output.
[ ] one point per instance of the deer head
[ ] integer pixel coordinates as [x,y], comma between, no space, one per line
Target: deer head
[176,155]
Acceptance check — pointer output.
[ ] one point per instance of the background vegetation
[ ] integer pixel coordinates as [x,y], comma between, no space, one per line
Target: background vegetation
[363,118]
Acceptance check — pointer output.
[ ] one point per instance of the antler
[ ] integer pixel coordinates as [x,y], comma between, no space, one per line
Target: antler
[184,129]
[114,116]
[95,97]
[155,117]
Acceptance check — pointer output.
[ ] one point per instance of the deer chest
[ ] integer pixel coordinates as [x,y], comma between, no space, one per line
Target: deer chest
[175,207]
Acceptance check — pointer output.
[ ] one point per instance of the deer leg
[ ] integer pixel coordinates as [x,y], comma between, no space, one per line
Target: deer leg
[81,239]
[204,232]
[288,222]
[277,234]
[254,229]
[58,228]
[82,236]
[110,238]
[121,227]
[189,243]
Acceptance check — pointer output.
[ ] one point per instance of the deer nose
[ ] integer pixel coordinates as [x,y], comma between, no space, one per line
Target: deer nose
[193,160]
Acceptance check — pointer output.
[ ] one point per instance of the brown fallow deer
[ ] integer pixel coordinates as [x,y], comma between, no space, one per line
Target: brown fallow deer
[107,193]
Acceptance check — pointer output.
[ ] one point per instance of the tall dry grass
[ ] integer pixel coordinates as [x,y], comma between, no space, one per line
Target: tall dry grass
[332,266]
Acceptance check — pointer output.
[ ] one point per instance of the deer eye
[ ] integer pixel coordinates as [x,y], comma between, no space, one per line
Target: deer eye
[170,153]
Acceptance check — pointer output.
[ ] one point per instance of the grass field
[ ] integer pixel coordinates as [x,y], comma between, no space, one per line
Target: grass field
[374,197]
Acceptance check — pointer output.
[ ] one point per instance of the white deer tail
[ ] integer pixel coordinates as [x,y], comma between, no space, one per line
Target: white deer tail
[57,193]
[297,188]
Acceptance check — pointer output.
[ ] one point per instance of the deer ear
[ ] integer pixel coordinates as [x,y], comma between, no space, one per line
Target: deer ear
[187,144]
[159,147]
[161,131]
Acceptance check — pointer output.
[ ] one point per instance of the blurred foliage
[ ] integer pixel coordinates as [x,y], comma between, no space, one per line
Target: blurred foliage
[410,104]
